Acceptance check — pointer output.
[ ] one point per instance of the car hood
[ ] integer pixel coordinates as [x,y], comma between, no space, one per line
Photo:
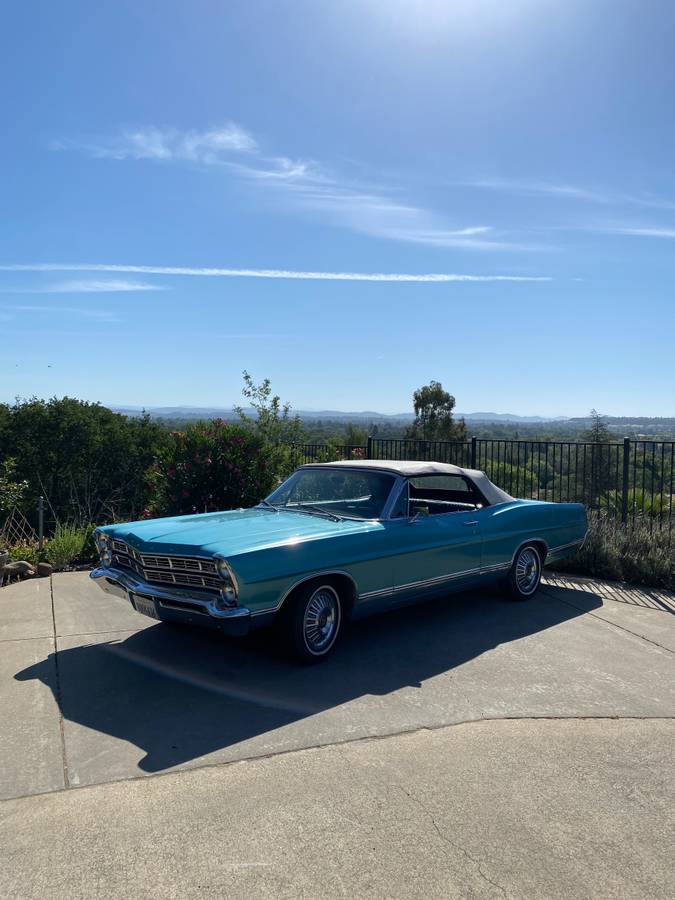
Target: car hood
[233,532]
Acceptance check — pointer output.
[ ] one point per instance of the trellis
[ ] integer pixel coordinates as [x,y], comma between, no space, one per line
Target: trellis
[17,531]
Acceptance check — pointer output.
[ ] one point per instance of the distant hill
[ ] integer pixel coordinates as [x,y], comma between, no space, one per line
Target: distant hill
[332,415]
[327,424]
[507,417]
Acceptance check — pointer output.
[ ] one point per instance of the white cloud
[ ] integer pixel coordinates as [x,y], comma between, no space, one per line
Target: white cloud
[266,273]
[83,287]
[101,287]
[525,187]
[534,188]
[304,186]
[641,231]
[98,314]
[620,228]
[298,185]
[166,144]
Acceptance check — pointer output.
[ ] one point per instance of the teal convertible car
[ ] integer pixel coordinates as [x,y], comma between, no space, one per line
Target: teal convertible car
[334,542]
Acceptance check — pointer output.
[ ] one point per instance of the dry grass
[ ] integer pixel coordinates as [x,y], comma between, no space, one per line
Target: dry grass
[640,554]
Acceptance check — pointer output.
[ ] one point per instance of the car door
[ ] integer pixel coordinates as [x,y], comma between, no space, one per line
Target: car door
[437,548]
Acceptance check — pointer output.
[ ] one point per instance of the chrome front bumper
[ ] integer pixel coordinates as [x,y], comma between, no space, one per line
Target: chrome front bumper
[173,604]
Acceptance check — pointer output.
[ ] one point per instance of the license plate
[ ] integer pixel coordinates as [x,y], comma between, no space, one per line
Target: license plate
[145,606]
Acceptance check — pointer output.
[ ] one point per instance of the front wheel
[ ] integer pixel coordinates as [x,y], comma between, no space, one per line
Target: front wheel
[313,621]
[525,574]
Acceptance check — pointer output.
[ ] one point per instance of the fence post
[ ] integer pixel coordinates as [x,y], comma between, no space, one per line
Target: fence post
[369,448]
[473,453]
[41,523]
[624,486]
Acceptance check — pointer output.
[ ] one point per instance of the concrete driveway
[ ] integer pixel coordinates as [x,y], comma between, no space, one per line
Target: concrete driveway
[471,747]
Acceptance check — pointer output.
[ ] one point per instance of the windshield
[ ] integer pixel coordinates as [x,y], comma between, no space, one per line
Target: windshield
[341,492]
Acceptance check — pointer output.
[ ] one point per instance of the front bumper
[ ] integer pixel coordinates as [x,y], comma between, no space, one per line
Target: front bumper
[173,604]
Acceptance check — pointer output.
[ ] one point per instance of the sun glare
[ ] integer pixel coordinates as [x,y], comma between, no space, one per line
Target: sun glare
[434,19]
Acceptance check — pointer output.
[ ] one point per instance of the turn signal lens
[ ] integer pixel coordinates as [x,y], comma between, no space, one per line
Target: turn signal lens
[102,540]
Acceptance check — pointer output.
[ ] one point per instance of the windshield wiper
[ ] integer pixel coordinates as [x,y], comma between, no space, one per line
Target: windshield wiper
[312,509]
[269,505]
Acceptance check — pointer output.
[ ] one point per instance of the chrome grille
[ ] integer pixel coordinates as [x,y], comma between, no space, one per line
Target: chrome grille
[179,570]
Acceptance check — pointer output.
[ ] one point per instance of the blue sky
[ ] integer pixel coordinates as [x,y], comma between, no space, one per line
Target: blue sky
[166,167]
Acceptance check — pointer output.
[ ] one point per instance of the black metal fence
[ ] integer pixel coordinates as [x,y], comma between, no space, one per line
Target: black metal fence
[629,480]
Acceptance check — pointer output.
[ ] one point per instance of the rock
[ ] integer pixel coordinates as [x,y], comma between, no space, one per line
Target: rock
[18,569]
[44,569]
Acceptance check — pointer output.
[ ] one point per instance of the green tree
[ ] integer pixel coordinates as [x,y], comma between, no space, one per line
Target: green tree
[598,433]
[88,462]
[434,415]
[11,490]
[355,436]
[597,465]
[273,420]
[274,423]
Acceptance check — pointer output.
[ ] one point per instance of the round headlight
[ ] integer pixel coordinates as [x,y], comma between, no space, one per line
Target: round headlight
[102,540]
[228,593]
[106,558]
[227,597]
[223,570]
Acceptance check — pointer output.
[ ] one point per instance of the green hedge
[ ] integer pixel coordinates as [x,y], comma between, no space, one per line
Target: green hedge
[211,466]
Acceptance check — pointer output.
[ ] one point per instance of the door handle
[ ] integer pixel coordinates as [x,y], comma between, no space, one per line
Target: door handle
[474,522]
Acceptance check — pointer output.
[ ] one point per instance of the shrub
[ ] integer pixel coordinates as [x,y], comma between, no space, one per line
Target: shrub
[639,553]
[27,552]
[66,546]
[211,466]
[88,462]
[639,502]
[89,552]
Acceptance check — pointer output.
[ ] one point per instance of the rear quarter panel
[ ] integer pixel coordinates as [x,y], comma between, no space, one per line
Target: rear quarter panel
[508,525]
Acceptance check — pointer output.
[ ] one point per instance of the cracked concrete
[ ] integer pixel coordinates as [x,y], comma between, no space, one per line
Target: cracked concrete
[452,843]
[541,809]
[467,748]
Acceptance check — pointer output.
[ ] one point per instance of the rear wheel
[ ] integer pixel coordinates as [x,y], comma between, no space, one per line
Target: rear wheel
[525,573]
[313,621]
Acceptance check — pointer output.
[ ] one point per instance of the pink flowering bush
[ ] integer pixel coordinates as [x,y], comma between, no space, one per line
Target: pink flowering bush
[208,467]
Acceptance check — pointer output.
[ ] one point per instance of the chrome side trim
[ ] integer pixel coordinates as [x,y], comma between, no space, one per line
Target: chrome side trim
[440,579]
[382,592]
[443,579]
[271,609]
[426,582]
[553,550]
[415,585]
[497,567]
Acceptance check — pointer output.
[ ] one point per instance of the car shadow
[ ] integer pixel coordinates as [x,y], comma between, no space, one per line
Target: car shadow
[182,693]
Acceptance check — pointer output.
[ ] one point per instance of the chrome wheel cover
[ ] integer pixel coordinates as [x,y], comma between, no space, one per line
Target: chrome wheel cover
[528,570]
[321,620]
